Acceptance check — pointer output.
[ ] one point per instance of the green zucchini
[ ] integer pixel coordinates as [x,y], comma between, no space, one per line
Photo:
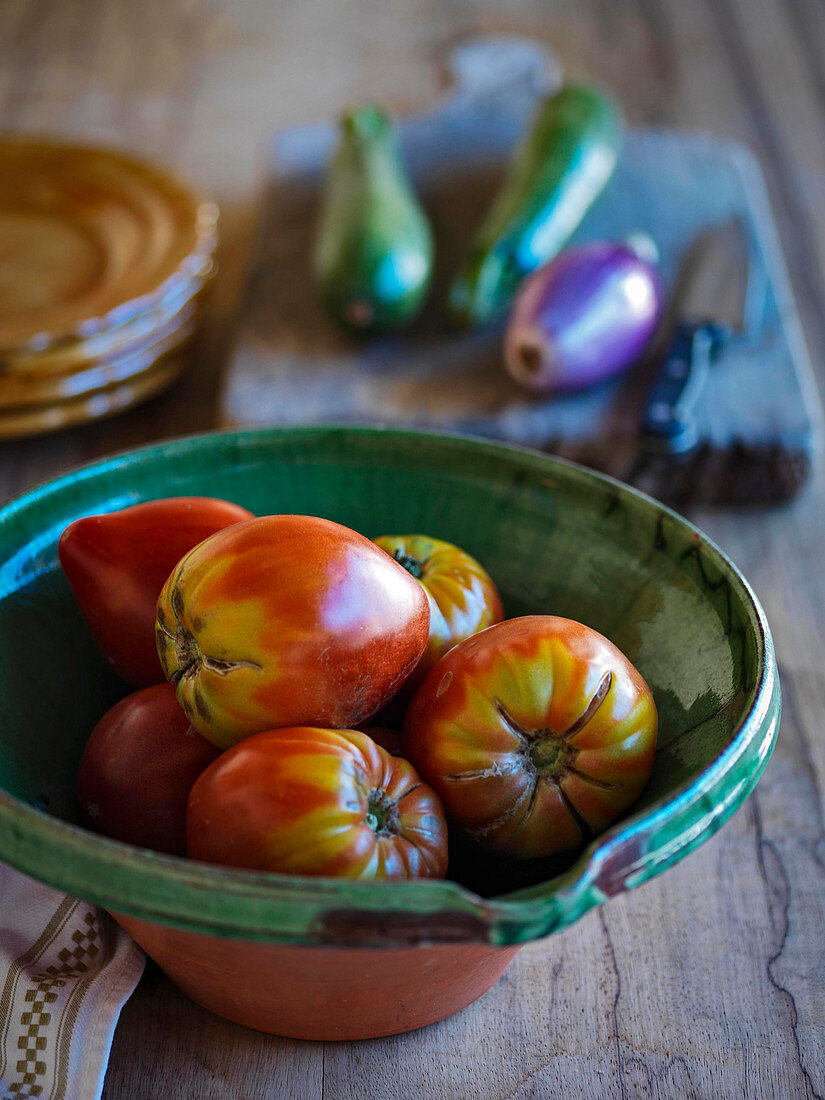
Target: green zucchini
[557,173]
[374,249]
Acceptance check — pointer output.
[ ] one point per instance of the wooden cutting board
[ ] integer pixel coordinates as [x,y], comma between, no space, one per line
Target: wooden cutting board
[292,366]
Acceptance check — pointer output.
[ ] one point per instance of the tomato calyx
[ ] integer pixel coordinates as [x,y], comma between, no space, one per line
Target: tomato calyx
[549,754]
[414,566]
[382,813]
[550,758]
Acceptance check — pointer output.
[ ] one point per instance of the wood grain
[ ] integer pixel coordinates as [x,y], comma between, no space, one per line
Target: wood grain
[708,981]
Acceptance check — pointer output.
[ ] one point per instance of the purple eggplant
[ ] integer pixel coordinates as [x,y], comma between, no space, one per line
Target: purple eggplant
[586,316]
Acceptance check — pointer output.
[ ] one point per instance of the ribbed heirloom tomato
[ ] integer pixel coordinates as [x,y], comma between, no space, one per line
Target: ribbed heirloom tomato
[462,596]
[284,621]
[117,564]
[317,802]
[536,733]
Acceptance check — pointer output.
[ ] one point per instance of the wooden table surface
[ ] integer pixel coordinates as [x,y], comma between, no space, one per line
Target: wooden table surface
[710,980]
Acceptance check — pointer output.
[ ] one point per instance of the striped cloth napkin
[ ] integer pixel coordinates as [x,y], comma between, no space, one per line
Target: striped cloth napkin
[66,970]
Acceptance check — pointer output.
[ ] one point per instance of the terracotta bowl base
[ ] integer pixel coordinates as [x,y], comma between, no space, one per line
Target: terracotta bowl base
[322,992]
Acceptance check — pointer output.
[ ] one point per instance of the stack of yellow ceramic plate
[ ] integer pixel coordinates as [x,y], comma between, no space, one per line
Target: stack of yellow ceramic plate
[103,262]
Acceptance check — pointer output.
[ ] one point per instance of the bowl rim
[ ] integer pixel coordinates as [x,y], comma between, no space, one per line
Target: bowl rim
[261,906]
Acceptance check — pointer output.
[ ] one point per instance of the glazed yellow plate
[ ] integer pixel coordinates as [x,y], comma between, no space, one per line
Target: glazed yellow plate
[89,238]
[96,404]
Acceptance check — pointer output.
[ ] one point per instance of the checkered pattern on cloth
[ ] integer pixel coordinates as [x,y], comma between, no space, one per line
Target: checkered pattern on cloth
[66,969]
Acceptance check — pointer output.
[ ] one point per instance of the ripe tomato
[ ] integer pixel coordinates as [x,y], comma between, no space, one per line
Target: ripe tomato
[461,595]
[536,734]
[284,621]
[118,563]
[138,768]
[317,802]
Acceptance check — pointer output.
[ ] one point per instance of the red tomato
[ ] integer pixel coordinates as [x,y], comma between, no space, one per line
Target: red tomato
[286,621]
[118,563]
[536,734]
[317,802]
[463,599]
[138,768]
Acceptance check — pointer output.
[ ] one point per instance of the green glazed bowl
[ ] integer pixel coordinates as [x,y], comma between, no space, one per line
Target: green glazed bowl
[557,539]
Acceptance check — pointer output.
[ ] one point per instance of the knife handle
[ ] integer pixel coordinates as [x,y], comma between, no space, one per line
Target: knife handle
[668,421]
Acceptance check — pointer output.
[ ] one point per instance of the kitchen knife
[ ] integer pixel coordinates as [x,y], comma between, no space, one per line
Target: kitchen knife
[717,303]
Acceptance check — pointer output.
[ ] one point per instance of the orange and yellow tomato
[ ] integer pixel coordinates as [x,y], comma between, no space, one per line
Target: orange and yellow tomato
[537,733]
[317,802]
[284,621]
[462,596]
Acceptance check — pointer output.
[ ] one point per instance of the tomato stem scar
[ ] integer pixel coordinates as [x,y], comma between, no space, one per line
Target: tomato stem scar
[599,784]
[495,770]
[583,826]
[551,754]
[414,566]
[188,655]
[591,708]
[382,813]
[510,721]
